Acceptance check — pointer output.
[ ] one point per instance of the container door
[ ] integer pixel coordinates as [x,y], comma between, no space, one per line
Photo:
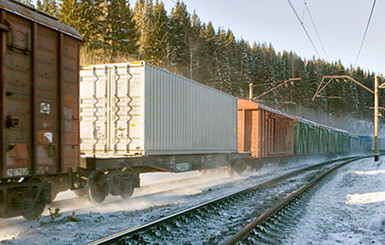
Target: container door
[127,109]
[94,92]
[112,110]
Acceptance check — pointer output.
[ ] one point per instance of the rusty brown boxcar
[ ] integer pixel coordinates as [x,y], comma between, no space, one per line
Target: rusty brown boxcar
[39,105]
[264,132]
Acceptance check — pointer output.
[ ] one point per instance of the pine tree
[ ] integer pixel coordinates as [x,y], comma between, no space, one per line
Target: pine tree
[49,6]
[246,68]
[121,35]
[144,18]
[152,21]
[85,16]
[160,34]
[180,26]
[235,59]
[139,17]
[209,54]
[27,2]
[194,43]
[223,64]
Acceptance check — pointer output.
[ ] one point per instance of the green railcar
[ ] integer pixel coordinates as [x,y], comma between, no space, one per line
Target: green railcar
[306,138]
[300,138]
[312,139]
[354,143]
[324,135]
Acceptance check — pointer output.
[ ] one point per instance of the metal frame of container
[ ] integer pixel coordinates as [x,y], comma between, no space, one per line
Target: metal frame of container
[264,132]
[132,109]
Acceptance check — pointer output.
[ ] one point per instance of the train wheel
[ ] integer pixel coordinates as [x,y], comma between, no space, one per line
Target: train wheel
[126,184]
[80,192]
[36,210]
[127,191]
[53,196]
[95,187]
[237,167]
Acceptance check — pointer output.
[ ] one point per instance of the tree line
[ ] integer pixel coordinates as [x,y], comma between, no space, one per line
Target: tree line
[180,42]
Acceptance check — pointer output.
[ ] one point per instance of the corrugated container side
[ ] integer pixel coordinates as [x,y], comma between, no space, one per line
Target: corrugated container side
[130,109]
[40,119]
[186,117]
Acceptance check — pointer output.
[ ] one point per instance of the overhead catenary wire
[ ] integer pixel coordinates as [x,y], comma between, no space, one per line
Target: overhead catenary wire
[315,28]
[303,26]
[366,30]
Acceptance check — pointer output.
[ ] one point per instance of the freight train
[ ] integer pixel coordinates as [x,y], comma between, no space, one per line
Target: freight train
[94,129]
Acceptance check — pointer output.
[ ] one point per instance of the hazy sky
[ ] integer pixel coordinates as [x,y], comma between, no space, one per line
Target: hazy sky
[340,24]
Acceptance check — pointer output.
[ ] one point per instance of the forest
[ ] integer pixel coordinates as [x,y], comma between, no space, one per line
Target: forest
[114,31]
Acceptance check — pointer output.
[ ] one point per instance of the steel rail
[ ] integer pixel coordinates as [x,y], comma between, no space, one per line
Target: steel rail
[279,206]
[113,238]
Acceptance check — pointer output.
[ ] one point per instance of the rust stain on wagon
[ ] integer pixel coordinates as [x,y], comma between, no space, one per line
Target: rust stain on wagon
[69,101]
[17,154]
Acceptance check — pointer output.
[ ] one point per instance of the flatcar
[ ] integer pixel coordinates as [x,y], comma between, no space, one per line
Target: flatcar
[138,118]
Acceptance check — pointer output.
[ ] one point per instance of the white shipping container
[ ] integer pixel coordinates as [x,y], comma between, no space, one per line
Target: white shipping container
[136,109]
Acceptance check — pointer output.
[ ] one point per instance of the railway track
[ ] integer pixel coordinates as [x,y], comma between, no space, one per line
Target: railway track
[269,227]
[220,219]
[68,204]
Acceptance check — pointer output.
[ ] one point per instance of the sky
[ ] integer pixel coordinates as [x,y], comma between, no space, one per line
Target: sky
[340,23]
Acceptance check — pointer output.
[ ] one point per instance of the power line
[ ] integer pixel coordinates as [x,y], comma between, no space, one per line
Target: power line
[366,30]
[315,28]
[300,21]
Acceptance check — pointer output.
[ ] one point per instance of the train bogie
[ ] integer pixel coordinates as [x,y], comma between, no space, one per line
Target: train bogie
[39,130]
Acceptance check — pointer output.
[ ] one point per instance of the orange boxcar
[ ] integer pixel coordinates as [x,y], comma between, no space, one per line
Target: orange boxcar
[264,132]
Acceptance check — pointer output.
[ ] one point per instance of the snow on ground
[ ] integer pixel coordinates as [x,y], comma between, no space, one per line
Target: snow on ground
[114,215]
[349,208]
[91,222]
